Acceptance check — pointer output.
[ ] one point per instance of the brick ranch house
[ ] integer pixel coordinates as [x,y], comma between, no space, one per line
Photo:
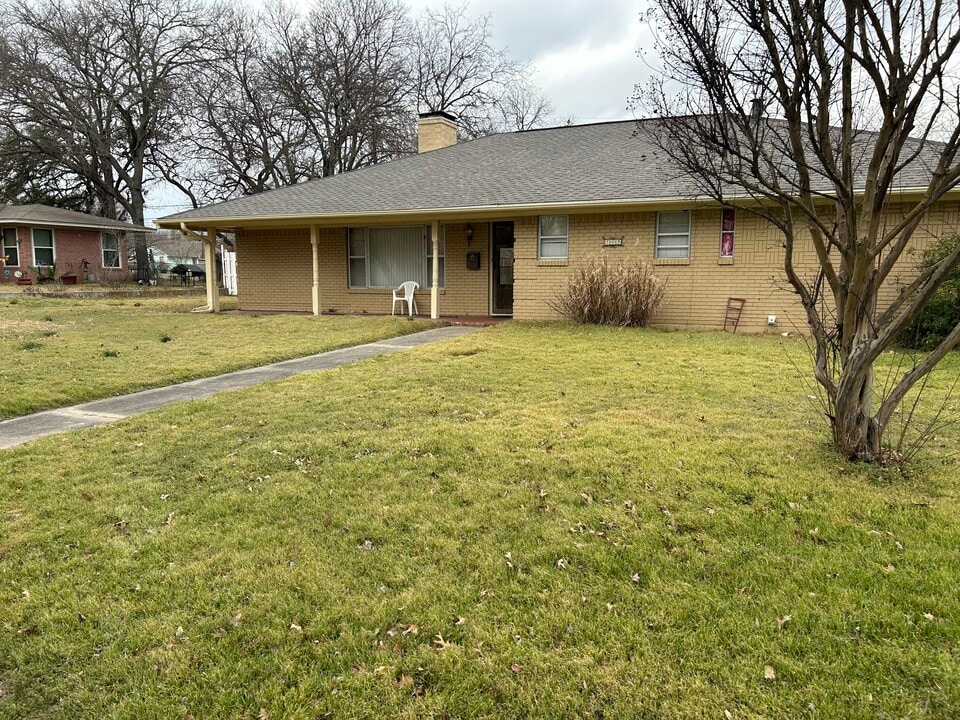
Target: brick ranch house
[501,221]
[80,246]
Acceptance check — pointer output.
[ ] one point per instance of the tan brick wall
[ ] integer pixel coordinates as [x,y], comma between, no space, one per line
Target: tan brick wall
[697,290]
[275,272]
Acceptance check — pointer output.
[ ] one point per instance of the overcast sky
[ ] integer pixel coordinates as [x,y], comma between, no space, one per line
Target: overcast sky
[584,51]
[585,55]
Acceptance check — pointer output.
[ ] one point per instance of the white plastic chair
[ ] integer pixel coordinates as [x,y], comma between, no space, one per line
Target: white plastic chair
[406,291]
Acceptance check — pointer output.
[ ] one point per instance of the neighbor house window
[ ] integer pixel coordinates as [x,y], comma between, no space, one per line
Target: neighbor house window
[673,234]
[42,247]
[387,257]
[110,250]
[10,250]
[554,230]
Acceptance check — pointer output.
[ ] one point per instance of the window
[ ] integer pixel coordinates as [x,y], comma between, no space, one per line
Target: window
[387,257]
[553,237]
[110,250]
[673,234]
[11,249]
[728,228]
[42,247]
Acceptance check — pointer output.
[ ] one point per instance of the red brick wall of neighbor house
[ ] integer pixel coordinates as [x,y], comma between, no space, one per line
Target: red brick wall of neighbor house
[70,248]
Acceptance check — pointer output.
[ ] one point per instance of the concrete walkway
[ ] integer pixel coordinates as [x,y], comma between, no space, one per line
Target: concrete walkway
[99,412]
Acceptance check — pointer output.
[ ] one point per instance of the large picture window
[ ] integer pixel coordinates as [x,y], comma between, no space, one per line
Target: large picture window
[10,249]
[110,250]
[673,234]
[387,257]
[554,231]
[42,247]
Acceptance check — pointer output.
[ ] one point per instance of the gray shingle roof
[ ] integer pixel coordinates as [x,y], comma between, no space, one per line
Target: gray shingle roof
[615,161]
[48,215]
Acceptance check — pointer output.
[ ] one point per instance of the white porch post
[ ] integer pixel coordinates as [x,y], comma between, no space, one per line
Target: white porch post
[210,261]
[315,245]
[435,287]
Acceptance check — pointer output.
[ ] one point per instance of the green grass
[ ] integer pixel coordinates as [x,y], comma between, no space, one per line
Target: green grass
[596,522]
[59,352]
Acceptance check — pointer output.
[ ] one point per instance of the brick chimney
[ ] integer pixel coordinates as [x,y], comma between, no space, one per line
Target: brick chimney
[436,130]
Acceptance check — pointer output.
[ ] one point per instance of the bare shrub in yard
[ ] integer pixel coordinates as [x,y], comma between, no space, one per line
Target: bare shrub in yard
[625,294]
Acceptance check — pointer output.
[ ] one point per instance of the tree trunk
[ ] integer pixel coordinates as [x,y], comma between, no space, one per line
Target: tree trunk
[856,432]
[140,239]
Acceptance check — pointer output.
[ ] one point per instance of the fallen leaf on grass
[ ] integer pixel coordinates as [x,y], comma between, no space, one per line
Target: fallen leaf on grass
[26,594]
[783,621]
[768,673]
[263,714]
[440,643]
[411,630]
[929,616]
[460,620]
[169,520]
[236,620]
[296,628]
[367,546]
[517,668]
[562,563]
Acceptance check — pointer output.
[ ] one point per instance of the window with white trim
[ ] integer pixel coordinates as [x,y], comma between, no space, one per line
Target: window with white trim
[553,237]
[673,234]
[386,257]
[11,248]
[110,250]
[43,247]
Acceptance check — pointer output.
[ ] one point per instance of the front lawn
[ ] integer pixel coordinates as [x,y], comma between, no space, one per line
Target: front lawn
[63,351]
[529,521]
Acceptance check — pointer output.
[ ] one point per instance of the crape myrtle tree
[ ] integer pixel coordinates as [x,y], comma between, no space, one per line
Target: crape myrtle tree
[851,138]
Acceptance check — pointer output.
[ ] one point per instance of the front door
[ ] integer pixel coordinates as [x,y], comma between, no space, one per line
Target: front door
[501,266]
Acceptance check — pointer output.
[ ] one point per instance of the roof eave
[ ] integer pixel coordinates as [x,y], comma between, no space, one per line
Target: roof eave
[465,214]
[35,222]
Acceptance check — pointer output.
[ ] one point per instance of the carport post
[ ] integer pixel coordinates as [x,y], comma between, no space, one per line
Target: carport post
[435,286]
[315,244]
[210,260]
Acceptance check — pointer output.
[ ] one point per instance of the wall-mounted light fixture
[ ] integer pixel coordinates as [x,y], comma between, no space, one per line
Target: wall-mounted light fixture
[469,232]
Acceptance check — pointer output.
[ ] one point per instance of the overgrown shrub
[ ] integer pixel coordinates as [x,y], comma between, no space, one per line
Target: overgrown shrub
[625,294]
[942,313]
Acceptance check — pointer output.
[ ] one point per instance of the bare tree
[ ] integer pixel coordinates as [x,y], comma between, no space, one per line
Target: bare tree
[89,88]
[343,70]
[868,99]
[523,106]
[459,70]
[243,136]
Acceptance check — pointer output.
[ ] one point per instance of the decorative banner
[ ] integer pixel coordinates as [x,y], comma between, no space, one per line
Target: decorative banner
[728,224]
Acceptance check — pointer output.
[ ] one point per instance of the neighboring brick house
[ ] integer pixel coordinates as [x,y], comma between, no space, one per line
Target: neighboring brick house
[40,240]
[513,215]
